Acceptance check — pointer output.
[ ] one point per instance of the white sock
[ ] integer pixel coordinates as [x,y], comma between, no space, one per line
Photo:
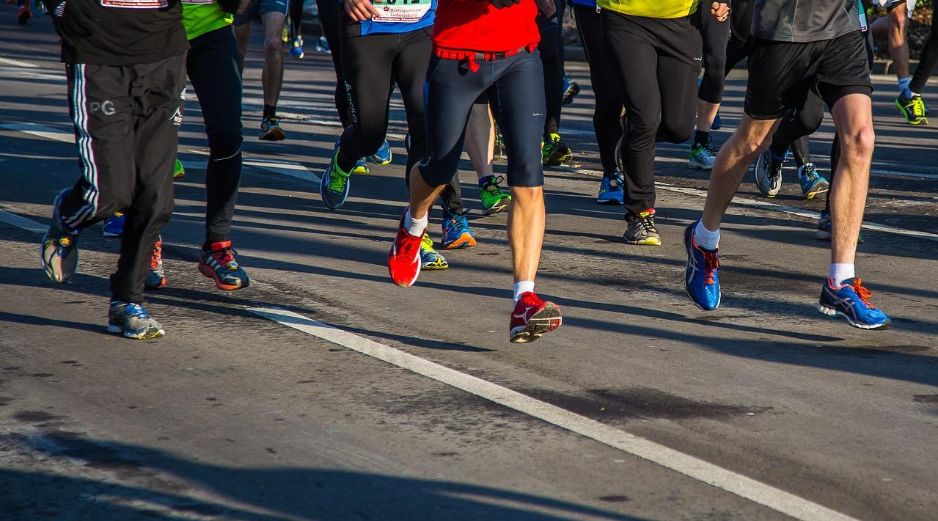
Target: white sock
[904,86]
[705,238]
[416,227]
[523,287]
[838,273]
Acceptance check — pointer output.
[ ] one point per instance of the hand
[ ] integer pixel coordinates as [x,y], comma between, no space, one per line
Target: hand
[720,11]
[360,10]
[547,8]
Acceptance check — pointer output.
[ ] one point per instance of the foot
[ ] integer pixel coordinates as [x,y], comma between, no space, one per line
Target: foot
[494,199]
[570,90]
[219,262]
[641,229]
[114,225]
[179,171]
[404,257]
[852,301]
[702,157]
[361,167]
[768,172]
[156,278]
[431,259]
[913,109]
[383,156]
[296,48]
[532,318]
[334,185]
[59,251]
[132,321]
[270,129]
[554,151]
[812,183]
[456,233]
[322,45]
[701,277]
[611,190]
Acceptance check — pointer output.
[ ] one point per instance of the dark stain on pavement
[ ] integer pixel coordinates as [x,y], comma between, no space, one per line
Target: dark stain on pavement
[614,499]
[926,398]
[35,416]
[639,402]
[5,400]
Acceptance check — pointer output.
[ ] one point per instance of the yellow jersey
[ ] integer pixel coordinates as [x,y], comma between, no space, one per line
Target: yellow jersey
[651,8]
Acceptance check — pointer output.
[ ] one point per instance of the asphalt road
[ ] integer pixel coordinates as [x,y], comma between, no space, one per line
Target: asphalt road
[416,406]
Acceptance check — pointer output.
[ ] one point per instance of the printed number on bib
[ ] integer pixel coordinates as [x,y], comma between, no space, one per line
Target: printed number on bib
[401,11]
[136,4]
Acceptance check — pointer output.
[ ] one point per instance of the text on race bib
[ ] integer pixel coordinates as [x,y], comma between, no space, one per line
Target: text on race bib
[401,11]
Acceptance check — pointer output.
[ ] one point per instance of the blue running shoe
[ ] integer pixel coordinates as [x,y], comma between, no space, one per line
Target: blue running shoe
[59,251]
[334,185]
[812,182]
[610,190]
[296,49]
[456,233]
[852,301]
[701,280]
[114,225]
[132,321]
[383,156]
[431,259]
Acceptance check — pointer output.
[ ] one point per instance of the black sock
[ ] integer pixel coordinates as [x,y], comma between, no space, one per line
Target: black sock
[701,138]
[270,110]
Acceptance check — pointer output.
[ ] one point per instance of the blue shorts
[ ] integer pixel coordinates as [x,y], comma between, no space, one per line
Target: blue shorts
[258,8]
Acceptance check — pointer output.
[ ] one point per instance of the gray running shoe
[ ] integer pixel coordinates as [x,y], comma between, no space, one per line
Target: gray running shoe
[768,174]
[132,321]
[59,251]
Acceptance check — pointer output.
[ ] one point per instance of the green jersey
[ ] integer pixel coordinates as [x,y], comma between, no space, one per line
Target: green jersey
[203,16]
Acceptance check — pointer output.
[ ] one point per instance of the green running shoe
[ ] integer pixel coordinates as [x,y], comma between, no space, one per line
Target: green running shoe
[179,171]
[494,199]
[913,109]
[334,186]
[554,152]
[430,258]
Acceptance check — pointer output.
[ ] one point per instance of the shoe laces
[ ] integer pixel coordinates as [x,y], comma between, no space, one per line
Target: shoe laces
[707,150]
[711,263]
[426,243]
[337,178]
[493,184]
[225,257]
[646,221]
[809,172]
[156,258]
[459,223]
[918,106]
[130,309]
[862,292]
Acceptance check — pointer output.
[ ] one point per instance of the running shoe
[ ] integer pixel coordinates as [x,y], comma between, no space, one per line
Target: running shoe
[825,227]
[493,198]
[361,167]
[812,183]
[570,90]
[404,257]
[179,171]
[532,318]
[296,49]
[555,152]
[270,129]
[456,233]
[218,262]
[702,157]
[701,280]
[132,321]
[768,173]
[24,14]
[285,34]
[611,190]
[641,229]
[913,109]
[852,301]
[334,185]
[383,156]
[322,45]
[59,251]
[114,225]
[156,278]
[431,259]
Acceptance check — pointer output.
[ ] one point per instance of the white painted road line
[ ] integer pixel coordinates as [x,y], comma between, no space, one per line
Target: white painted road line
[22,222]
[17,63]
[687,465]
[289,168]
[42,131]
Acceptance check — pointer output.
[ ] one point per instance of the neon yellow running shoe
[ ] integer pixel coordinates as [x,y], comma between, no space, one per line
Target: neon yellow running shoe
[179,171]
[430,258]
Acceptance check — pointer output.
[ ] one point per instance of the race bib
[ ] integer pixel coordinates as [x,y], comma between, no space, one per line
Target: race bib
[401,11]
[136,4]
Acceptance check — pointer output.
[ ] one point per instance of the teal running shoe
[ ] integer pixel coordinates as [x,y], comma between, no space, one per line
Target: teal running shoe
[431,259]
[383,156]
[701,280]
[59,251]
[114,225]
[334,185]
[812,182]
[852,301]
[132,321]
[456,233]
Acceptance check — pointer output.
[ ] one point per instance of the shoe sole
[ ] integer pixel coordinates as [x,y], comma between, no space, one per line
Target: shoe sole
[464,241]
[811,194]
[435,266]
[607,201]
[543,322]
[111,235]
[559,161]
[698,166]
[500,207]
[207,270]
[149,334]
[645,242]
[274,134]
[831,312]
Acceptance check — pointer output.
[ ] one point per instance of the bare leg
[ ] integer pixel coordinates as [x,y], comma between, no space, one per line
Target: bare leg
[526,223]
[272,75]
[242,34]
[853,116]
[480,139]
[898,44]
[706,113]
[732,163]
[422,195]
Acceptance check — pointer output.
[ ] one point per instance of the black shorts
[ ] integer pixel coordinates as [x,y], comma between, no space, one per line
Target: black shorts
[782,73]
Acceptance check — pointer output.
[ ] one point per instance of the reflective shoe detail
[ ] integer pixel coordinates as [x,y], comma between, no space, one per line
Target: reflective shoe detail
[641,230]
[702,157]
[493,198]
[431,259]
[220,263]
[156,278]
[532,318]
[270,129]
[114,225]
[457,234]
[132,321]
[296,48]
[852,301]
[768,173]
[334,185]
[570,90]
[59,251]
[611,190]
[179,171]
[404,257]
[554,151]
[701,277]
[913,109]
[383,156]
[812,183]
[361,167]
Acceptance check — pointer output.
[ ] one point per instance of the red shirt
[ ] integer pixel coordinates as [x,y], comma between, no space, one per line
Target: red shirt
[477,25]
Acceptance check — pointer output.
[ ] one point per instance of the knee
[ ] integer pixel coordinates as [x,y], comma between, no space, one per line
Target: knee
[273,45]
[639,126]
[859,143]
[677,129]
[224,146]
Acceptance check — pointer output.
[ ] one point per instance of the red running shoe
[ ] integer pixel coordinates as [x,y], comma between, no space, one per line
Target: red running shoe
[404,257]
[24,14]
[533,317]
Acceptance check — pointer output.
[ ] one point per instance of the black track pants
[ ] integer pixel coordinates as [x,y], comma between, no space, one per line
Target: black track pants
[212,65]
[656,63]
[926,66]
[552,57]
[607,120]
[329,20]
[126,125]
[715,37]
